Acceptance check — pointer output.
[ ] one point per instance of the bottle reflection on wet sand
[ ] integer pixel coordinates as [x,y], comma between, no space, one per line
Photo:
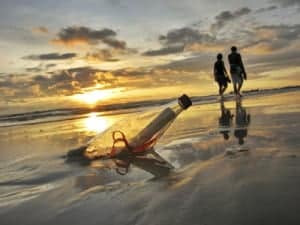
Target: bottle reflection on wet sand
[151,162]
[109,170]
[242,121]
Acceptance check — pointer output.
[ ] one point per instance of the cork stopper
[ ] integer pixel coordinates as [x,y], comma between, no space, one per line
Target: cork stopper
[184,101]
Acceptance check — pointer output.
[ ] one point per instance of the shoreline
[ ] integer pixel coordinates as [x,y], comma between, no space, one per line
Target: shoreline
[22,118]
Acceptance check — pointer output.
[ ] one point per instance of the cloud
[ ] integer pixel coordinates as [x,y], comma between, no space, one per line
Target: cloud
[286,32]
[216,46]
[157,76]
[266,9]
[51,56]
[273,62]
[196,63]
[36,69]
[62,82]
[182,36]
[50,65]
[164,51]
[108,54]
[40,68]
[115,43]
[195,69]
[190,39]
[177,40]
[40,30]
[84,35]
[227,16]
[266,39]
[287,3]
[100,55]
[14,86]
[76,80]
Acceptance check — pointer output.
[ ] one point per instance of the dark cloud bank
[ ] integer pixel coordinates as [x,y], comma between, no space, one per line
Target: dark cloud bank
[287,3]
[177,40]
[226,16]
[71,35]
[51,56]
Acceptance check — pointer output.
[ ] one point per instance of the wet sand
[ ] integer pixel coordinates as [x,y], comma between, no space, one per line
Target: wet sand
[219,163]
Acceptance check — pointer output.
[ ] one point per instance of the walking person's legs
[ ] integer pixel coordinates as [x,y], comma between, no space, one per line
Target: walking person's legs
[235,88]
[224,88]
[235,81]
[220,87]
[240,84]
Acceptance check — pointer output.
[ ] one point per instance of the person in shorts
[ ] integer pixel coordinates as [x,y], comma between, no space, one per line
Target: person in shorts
[237,70]
[220,74]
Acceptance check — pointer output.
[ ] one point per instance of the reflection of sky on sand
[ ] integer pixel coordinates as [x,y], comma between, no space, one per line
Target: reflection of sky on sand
[201,136]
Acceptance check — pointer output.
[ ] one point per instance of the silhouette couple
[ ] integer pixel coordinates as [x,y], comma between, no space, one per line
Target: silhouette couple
[242,121]
[237,72]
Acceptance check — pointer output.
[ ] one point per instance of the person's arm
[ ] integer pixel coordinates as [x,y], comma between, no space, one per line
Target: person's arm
[243,68]
[228,58]
[215,72]
[224,68]
[226,74]
[248,119]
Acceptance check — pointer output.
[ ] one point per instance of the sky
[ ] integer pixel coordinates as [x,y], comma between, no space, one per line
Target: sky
[69,53]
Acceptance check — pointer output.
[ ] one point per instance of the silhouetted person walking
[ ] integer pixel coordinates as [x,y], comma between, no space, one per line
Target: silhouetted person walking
[237,70]
[220,74]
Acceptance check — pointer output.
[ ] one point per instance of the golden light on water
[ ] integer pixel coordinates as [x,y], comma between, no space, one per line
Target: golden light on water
[96,123]
[92,97]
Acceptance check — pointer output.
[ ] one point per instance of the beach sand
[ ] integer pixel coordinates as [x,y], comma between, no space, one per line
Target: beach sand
[241,166]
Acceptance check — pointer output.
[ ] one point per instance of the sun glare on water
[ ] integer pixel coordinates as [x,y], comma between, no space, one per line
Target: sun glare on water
[96,123]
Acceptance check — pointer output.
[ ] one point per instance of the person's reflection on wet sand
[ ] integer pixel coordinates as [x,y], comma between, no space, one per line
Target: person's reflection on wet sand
[242,121]
[225,120]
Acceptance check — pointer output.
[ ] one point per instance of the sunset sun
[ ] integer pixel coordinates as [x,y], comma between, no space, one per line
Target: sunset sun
[92,97]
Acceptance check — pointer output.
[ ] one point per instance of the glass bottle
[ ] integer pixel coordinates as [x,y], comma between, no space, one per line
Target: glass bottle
[137,134]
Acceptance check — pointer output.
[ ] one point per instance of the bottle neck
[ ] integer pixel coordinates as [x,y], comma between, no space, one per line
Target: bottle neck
[177,109]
